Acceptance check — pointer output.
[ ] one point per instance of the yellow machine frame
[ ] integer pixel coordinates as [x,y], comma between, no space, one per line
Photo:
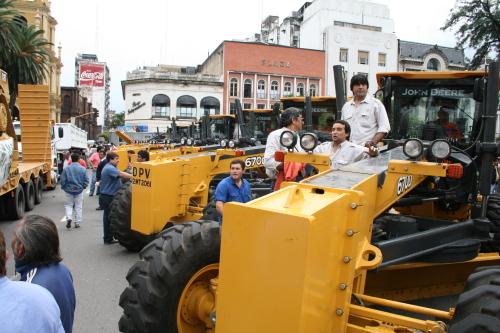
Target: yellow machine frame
[316,265]
[176,189]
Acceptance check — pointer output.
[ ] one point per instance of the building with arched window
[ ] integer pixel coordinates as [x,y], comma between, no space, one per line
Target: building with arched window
[254,73]
[259,74]
[426,57]
[156,95]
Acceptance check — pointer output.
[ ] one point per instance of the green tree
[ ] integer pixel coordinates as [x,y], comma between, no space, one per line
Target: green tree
[118,120]
[478,23]
[8,31]
[24,52]
[30,66]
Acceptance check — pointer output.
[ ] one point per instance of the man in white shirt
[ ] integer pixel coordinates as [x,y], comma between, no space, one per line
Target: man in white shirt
[343,152]
[291,120]
[366,114]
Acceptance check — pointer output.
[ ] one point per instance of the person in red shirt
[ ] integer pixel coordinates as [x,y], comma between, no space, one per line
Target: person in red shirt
[94,160]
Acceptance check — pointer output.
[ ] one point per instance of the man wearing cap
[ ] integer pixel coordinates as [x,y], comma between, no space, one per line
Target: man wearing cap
[291,120]
[365,114]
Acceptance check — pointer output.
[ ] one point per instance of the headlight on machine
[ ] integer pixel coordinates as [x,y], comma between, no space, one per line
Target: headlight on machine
[288,139]
[308,141]
[223,143]
[440,149]
[413,148]
[189,141]
[183,141]
[231,144]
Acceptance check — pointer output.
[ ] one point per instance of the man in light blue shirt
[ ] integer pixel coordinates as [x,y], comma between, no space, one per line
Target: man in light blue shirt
[25,307]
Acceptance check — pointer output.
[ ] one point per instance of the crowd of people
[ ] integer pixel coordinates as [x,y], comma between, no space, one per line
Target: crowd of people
[105,181]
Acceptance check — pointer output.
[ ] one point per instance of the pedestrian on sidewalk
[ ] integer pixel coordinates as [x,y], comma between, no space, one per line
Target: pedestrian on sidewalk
[73,181]
[94,160]
[109,185]
[35,245]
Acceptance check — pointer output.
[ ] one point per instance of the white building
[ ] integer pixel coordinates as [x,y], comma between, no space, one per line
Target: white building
[156,95]
[358,35]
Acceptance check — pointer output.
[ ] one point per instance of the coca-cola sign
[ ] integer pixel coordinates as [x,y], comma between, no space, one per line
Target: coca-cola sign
[92,74]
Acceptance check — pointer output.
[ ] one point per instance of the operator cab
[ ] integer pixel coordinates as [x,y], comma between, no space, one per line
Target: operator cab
[222,126]
[260,123]
[323,110]
[430,106]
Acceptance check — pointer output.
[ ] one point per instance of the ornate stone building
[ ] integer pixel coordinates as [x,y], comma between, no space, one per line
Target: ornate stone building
[37,13]
[426,57]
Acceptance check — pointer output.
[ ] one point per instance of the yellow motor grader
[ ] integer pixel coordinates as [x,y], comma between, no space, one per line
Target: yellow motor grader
[364,248]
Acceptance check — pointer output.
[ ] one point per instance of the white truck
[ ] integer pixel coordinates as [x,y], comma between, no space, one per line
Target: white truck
[69,137]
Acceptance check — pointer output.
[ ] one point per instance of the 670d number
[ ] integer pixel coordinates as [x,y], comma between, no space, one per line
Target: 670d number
[254,161]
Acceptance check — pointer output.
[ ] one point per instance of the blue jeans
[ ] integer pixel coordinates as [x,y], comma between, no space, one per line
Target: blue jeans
[92,183]
[104,202]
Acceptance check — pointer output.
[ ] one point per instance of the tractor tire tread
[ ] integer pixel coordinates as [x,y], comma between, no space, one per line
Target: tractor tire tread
[120,221]
[165,266]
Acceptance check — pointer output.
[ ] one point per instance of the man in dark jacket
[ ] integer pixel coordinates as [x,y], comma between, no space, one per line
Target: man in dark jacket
[73,181]
[35,245]
[101,166]
[110,184]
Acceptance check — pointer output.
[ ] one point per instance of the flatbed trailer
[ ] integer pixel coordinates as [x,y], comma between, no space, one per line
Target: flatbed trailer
[22,182]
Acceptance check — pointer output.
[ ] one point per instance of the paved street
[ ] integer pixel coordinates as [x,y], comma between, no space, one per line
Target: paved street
[98,270]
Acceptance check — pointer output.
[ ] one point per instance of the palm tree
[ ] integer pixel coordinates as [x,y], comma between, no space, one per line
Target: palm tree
[30,65]
[8,28]
[24,52]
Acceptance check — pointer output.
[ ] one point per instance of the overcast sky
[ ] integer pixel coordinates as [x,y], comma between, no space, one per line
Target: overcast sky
[128,34]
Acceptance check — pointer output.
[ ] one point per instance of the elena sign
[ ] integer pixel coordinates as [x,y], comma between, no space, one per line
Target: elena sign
[136,106]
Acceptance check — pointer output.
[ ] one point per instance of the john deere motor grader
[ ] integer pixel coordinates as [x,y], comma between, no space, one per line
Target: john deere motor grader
[332,253]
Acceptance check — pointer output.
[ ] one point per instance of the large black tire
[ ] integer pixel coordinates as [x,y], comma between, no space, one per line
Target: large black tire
[493,214]
[478,307]
[210,211]
[29,191]
[120,221]
[15,203]
[494,207]
[39,186]
[166,266]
